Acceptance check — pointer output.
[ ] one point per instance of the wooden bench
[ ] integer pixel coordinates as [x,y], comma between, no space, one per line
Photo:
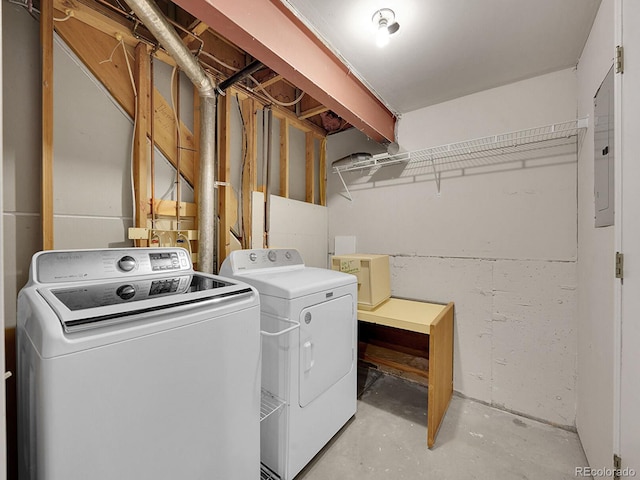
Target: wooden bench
[436,321]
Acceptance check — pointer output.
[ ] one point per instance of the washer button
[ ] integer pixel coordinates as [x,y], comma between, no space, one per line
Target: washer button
[127,263]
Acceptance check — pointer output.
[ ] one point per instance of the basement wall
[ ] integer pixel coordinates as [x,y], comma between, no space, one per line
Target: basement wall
[596,248]
[498,241]
[92,155]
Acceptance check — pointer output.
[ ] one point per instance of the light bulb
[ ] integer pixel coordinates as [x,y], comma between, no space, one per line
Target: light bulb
[382,35]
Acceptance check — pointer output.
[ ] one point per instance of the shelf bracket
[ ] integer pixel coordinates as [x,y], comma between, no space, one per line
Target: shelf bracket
[436,174]
[345,186]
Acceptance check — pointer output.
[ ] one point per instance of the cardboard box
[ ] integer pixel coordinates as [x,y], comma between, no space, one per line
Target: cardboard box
[374,279]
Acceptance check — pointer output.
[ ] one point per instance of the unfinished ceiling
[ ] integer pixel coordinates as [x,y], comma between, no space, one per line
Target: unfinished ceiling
[219,56]
[445,49]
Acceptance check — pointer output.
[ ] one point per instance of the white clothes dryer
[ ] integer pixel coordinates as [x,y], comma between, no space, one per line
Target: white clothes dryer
[312,368]
[133,366]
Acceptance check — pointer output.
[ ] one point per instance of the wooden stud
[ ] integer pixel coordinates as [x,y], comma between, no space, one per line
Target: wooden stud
[323,171]
[46,41]
[140,145]
[310,168]
[168,208]
[249,180]
[284,158]
[224,176]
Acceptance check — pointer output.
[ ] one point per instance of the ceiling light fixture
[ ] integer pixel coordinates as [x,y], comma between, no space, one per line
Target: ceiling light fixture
[386,25]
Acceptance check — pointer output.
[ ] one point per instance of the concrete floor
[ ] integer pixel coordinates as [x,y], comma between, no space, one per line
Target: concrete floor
[387,440]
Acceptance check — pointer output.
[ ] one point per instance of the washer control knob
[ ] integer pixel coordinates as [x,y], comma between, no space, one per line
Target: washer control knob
[126,292]
[272,255]
[287,255]
[127,263]
[253,256]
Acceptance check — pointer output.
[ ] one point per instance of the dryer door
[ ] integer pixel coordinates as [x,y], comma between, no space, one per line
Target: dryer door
[326,346]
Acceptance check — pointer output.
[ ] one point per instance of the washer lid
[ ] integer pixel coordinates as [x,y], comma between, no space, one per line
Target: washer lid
[85,305]
[295,282]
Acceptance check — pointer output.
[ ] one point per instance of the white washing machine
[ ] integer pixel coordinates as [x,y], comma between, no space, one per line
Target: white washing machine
[133,366]
[309,352]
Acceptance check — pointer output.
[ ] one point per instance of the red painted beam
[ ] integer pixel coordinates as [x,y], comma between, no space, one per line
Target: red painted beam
[268,31]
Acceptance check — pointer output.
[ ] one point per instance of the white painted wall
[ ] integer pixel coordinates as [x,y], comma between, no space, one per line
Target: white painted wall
[594,416]
[20,177]
[500,242]
[627,33]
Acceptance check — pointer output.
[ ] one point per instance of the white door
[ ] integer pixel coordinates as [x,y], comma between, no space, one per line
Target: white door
[630,239]
[3,453]
[326,346]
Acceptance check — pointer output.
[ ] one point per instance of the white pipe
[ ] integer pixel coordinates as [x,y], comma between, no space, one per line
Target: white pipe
[149,13]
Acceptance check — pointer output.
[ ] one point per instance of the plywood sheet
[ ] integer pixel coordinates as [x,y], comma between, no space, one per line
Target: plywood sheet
[302,226]
[440,371]
[404,314]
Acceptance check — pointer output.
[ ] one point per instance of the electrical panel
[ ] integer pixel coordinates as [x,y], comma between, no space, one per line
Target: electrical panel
[604,153]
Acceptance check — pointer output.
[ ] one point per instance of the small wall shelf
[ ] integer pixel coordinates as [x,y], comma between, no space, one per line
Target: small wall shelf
[475,153]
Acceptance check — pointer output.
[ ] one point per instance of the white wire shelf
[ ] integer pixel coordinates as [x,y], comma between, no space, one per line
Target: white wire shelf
[471,153]
[269,404]
[267,474]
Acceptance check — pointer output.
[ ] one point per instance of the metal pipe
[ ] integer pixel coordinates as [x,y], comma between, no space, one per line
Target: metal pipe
[207,224]
[149,13]
[239,75]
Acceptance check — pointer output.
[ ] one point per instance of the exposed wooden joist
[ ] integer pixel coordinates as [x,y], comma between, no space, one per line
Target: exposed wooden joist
[310,168]
[111,25]
[298,55]
[197,29]
[312,112]
[140,145]
[271,81]
[46,41]
[284,158]
[281,113]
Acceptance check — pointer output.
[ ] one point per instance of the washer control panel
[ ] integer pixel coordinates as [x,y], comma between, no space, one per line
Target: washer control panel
[74,265]
[245,260]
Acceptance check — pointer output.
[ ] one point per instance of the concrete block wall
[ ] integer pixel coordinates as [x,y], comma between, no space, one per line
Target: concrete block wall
[499,241]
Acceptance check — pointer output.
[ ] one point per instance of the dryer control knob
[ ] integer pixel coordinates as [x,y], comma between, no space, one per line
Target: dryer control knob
[126,292]
[287,255]
[272,255]
[127,263]
[253,256]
